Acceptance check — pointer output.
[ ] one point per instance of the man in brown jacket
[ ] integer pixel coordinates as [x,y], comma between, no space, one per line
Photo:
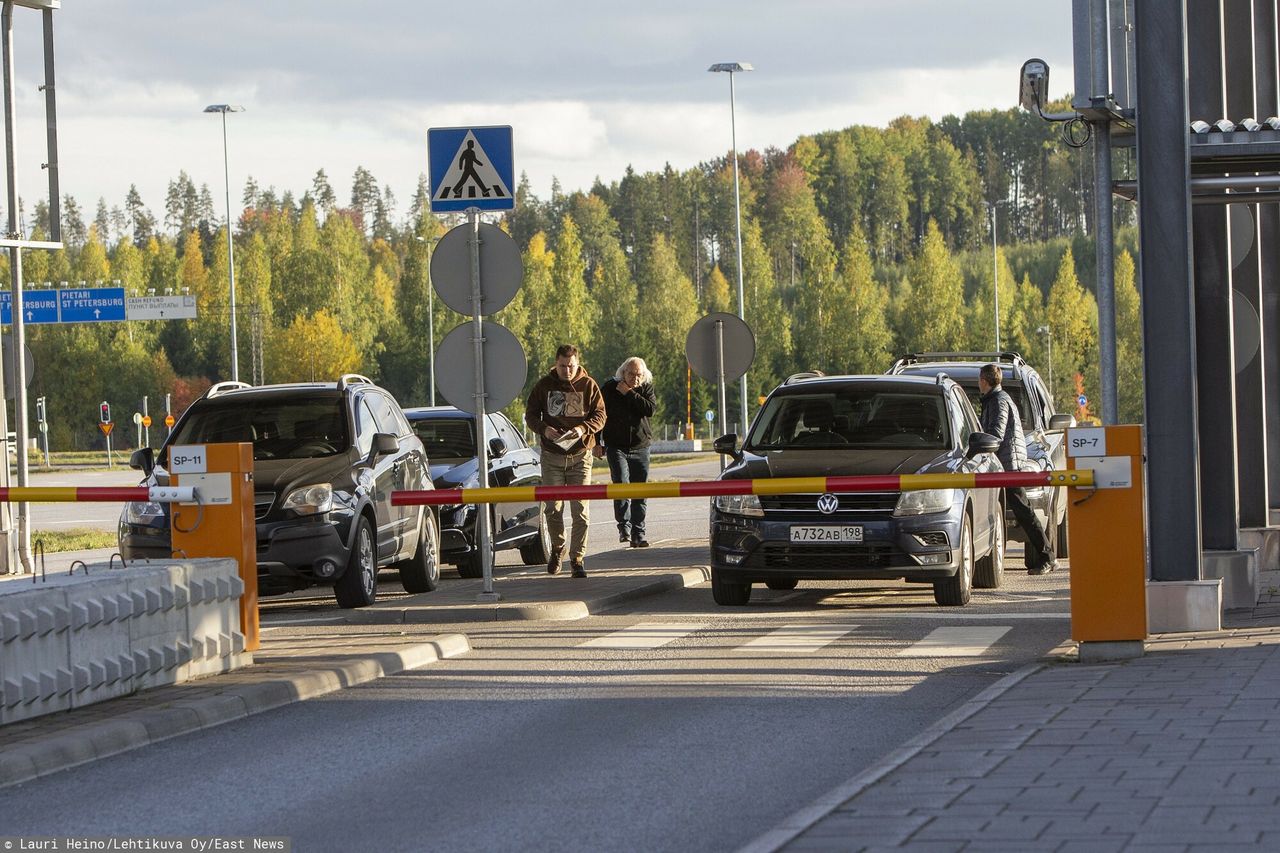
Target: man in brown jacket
[566,410]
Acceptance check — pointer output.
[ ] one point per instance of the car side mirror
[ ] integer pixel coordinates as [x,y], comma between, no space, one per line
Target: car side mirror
[143,459]
[497,448]
[727,445]
[1061,421]
[385,444]
[981,442]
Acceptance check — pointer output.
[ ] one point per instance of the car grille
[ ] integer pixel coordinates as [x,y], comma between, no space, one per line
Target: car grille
[850,502]
[262,502]
[781,555]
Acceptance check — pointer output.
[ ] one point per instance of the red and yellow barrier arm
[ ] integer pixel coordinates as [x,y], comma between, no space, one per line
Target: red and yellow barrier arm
[100,494]
[767,486]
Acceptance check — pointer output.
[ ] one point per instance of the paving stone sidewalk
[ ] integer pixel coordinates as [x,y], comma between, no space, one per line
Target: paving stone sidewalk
[1176,751]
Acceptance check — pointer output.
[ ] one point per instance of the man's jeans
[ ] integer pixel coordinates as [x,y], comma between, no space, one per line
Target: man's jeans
[567,470]
[629,466]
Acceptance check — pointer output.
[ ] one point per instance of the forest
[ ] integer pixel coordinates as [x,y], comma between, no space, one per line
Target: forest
[857,245]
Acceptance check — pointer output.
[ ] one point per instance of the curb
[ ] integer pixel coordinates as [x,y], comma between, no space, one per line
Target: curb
[566,610]
[91,741]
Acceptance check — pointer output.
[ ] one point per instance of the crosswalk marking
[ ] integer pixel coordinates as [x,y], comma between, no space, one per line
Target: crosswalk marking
[956,642]
[797,639]
[645,635]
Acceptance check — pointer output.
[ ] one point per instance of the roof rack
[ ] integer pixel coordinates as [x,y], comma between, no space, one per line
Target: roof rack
[808,374]
[937,380]
[352,379]
[917,357]
[223,387]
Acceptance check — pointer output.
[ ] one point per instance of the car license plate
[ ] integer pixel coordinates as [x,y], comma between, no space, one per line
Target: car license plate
[826,533]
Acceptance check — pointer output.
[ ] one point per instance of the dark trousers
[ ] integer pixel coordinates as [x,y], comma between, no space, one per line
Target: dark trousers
[629,466]
[1038,550]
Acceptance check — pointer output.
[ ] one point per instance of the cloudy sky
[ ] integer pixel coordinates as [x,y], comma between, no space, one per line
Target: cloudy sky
[589,87]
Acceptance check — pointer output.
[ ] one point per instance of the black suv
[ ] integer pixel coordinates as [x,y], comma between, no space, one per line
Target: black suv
[327,457]
[1042,427]
[816,426]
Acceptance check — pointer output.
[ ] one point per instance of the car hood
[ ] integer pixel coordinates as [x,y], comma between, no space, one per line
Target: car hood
[280,474]
[454,473]
[840,463]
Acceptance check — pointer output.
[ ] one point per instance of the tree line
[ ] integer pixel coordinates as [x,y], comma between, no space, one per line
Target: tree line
[857,245]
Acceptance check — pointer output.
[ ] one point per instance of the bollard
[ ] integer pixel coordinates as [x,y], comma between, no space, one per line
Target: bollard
[222,523]
[1106,530]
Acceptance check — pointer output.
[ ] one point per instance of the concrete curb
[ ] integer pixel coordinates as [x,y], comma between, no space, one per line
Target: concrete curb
[565,610]
[91,741]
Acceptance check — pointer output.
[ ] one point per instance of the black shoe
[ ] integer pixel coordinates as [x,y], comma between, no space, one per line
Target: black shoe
[623,537]
[553,564]
[1043,570]
[579,570]
[640,542]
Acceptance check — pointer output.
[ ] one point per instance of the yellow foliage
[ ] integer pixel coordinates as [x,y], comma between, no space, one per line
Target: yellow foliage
[312,349]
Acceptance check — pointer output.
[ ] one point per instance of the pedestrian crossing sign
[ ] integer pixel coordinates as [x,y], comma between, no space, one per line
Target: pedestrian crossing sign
[471,167]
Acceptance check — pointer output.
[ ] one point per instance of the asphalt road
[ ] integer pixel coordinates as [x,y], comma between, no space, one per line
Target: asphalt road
[671,724]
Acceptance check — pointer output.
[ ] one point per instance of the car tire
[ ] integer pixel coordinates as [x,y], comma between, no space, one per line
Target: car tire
[782,584]
[421,572]
[729,593]
[988,573]
[956,590]
[358,586]
[537,550]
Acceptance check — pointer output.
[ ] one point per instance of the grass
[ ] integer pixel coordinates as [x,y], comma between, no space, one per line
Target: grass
[75,539]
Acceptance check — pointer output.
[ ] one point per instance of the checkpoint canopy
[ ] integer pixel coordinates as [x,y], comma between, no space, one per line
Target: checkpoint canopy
[471,167]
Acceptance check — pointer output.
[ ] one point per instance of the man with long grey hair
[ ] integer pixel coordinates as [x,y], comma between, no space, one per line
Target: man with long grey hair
[629,402]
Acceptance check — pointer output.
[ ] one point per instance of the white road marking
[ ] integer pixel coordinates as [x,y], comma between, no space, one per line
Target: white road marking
[285,623]
[645,635]
[797,639]
[956,642]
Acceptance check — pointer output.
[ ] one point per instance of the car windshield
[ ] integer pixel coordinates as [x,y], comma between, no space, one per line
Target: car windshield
[287,428]
[447,438]
[856,416]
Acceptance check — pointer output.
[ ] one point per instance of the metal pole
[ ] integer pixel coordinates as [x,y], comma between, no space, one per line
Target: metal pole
[1102,216]
[431,326]
[482,446]
[737,208]
[1050,364]
[23,544]
[231,255]
[51,136]
[146,430]
[720,383]
[995,274]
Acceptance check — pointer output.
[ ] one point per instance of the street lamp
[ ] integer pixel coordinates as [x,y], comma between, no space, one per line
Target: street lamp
[231,256]
[1047,332]
[731,68]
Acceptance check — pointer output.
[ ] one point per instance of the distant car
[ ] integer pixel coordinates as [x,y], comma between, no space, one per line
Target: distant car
[326,457]
[821,426]
[1042,427]
[449,437]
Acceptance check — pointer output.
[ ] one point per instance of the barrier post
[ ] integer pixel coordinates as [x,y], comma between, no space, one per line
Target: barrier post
[1106,530]
[222,525]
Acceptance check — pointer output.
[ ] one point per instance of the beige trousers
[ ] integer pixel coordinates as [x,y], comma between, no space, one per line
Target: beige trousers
[571,470]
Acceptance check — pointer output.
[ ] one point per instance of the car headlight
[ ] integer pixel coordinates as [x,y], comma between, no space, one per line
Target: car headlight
[309,500]
[925,501]
[738,505]
[142,512]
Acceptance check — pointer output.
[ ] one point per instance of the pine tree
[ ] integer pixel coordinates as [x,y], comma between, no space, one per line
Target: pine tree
[1129,368]
[933,320]
[1073,314]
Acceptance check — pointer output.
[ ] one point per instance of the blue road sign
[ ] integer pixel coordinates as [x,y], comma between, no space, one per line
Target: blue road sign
[38,306]
[1082,399]
[471,167]
[91,305]
[711,416]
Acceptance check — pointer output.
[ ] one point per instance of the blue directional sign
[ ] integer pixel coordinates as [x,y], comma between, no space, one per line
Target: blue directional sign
[1082,399]
[471,167]
[38,306]
[91,305]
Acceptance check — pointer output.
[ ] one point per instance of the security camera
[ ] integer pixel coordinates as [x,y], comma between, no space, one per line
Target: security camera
[1033,93]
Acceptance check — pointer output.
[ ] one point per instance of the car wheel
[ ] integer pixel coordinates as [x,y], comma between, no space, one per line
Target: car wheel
[782,584]
[989,571]
[358,586]
[729,593]
[955,590]
[421,573]
[537,550]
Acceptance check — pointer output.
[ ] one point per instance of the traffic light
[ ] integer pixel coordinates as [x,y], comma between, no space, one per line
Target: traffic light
[106,412]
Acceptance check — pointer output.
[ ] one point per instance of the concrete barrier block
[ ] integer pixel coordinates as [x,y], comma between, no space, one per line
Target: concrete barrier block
[34,650]
[101,644]
[1184,606]
[1239,573]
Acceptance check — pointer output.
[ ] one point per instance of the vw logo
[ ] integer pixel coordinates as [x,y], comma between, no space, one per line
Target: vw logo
[828,504]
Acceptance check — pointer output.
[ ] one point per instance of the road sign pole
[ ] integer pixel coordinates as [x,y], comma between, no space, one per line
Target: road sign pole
[146,423]
[720,383]
[482,448]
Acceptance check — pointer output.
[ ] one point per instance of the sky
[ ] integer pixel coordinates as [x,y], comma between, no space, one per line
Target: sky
[588,87]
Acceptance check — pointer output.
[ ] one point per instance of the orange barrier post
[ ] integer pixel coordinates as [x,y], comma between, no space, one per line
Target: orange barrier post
[222,523]
[1106,530]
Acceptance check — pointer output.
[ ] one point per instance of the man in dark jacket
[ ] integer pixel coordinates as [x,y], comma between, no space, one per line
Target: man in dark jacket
[629,401]
[1000,418]
[566,411]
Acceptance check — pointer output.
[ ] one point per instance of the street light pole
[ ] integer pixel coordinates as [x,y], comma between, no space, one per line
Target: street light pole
[995,274]
[231,256]
[431,316]
[731,68]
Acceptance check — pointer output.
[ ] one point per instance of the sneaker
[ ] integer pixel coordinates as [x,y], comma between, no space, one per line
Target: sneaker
[623,537]
[640,542]
[579,570]
[553,564]
[1043,570]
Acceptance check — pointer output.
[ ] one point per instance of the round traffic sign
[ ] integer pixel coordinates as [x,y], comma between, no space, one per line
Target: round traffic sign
[168,421]
[137,417]
[1082,400]
[711,415]
[505,367]
[146,420]
[501,270]
[739,346]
